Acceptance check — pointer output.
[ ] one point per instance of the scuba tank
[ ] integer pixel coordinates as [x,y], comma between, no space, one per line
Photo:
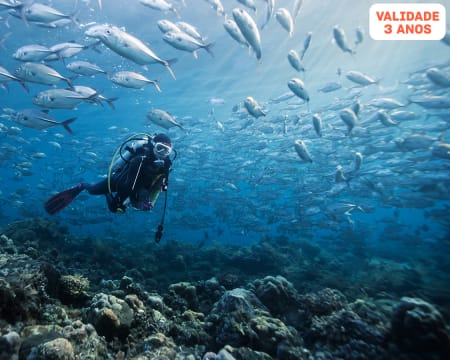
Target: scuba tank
[127,149]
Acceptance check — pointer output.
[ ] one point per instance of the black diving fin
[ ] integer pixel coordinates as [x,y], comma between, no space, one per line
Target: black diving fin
[59,201]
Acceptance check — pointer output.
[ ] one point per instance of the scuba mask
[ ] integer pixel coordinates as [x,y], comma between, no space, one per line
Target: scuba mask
[162,150]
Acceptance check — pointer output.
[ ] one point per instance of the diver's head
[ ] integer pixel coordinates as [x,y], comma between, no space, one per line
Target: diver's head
[162,146]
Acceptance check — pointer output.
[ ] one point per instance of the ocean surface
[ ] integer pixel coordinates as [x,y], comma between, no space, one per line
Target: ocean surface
[238,179]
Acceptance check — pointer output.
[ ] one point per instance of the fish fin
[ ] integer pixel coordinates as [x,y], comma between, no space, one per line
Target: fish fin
[109,101]
[156,85]
[46,111]
[168,63]
[195,54]
[208,48]
[61,200]
[66,123]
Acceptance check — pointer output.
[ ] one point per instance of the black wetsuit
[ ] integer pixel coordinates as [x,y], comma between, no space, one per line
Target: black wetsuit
[141,178]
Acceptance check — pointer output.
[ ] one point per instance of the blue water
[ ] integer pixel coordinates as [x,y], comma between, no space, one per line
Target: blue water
[244,182]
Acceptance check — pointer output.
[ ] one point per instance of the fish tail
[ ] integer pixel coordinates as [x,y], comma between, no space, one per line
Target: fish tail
[208,47]
[169,69]
[110,101]
[66,123]
[156,85]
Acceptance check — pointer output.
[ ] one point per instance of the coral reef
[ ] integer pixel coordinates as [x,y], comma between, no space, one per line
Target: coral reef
[76,308]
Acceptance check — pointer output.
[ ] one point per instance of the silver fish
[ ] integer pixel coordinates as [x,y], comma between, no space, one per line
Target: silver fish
[298,88]
[6,77]
[385,119]
[40,74]
[32,53]
[249,3]
[131,79]
[248,29]
[360,78]
[93,96]
[296,8]
[126,45]
[160,5]
[306,44]
[341,40]
[349,117]
[317,124]
[270,9]
[182,41]
[438,77]
[40,13]
[167,25]
[294,60]
[39,119]
[302,151]
[253,107]
[234,31]
[85,68]
[58,99]
[162,118]
[432,101]
[285,20]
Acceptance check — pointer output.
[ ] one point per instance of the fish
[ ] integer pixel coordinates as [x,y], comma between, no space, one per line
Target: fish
[163,118]
[357,161]
[127,45]
[40,13]
[167,25]
[134,80]
[349,117]
[182,41]
[359,34]
[40,120]
[330,87]
[92,95]
[33,53]
[249,30]
[249,4]
[340,208]
[190,30]
[298,88]
[85,68]
[160,5]
[415,142]
[302,151]
[40,74]
[67,50]
[306,44]
[431,101]
[361,78]
[58,99]
[295,61]
[317,124]
[233,30]
[270,9]
[285,20]
[385,119]
[438,77]
[296,8]
[253,107]
[217,5]
[387,103]
[341,40]
[6,77]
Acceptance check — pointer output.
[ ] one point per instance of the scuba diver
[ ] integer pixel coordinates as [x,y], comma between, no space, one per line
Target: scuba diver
[139,171]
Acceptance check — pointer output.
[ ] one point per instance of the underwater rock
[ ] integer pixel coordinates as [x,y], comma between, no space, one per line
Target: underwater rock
[37,336]
[9,345]
[72,289]
[276,293]
[188,329]
[21,288]
[161,345]
[208,292]
[86,343]
[182,296]
[322,302]
[111,316]
[7,245]
[57,349]
[418,326]
[230,317]
[272,333]
[340,328]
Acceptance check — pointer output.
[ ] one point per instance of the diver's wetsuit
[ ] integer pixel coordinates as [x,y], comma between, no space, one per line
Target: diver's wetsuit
[141,178]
